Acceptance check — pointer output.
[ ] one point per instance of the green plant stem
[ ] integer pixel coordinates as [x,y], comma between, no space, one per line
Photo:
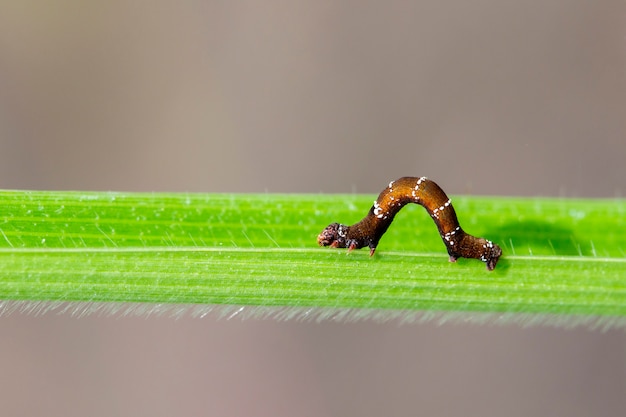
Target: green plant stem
[563,257]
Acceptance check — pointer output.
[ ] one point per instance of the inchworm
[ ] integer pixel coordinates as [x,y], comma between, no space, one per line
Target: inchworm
[399,193]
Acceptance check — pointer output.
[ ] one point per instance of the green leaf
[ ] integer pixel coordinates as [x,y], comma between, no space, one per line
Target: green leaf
[562,257]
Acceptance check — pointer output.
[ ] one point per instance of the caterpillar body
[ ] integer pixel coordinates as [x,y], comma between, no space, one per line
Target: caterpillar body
[418,190]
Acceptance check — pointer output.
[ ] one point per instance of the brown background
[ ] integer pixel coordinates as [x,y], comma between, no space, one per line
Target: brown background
[486,97]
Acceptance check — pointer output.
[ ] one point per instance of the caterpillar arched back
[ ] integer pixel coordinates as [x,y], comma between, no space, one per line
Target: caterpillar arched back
[399,193]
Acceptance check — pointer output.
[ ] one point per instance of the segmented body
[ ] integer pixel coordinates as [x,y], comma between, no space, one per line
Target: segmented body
[397,194]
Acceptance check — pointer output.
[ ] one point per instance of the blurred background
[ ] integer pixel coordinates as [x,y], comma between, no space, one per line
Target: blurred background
[494,97]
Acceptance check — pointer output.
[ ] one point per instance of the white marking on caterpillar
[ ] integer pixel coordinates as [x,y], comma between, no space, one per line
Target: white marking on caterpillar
[438,209]
[378,211]
[448,236]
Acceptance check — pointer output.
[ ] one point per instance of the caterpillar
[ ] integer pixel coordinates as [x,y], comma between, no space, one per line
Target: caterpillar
[399,193]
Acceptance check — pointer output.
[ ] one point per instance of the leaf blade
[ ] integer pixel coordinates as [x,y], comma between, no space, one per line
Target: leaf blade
[561,256]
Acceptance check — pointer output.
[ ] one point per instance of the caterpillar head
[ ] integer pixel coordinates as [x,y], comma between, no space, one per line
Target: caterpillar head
[334,235]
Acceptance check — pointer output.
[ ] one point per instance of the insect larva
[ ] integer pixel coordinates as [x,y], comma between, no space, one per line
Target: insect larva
[399,193]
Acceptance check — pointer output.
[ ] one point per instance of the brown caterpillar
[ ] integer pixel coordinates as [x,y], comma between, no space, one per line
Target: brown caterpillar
[399,193]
